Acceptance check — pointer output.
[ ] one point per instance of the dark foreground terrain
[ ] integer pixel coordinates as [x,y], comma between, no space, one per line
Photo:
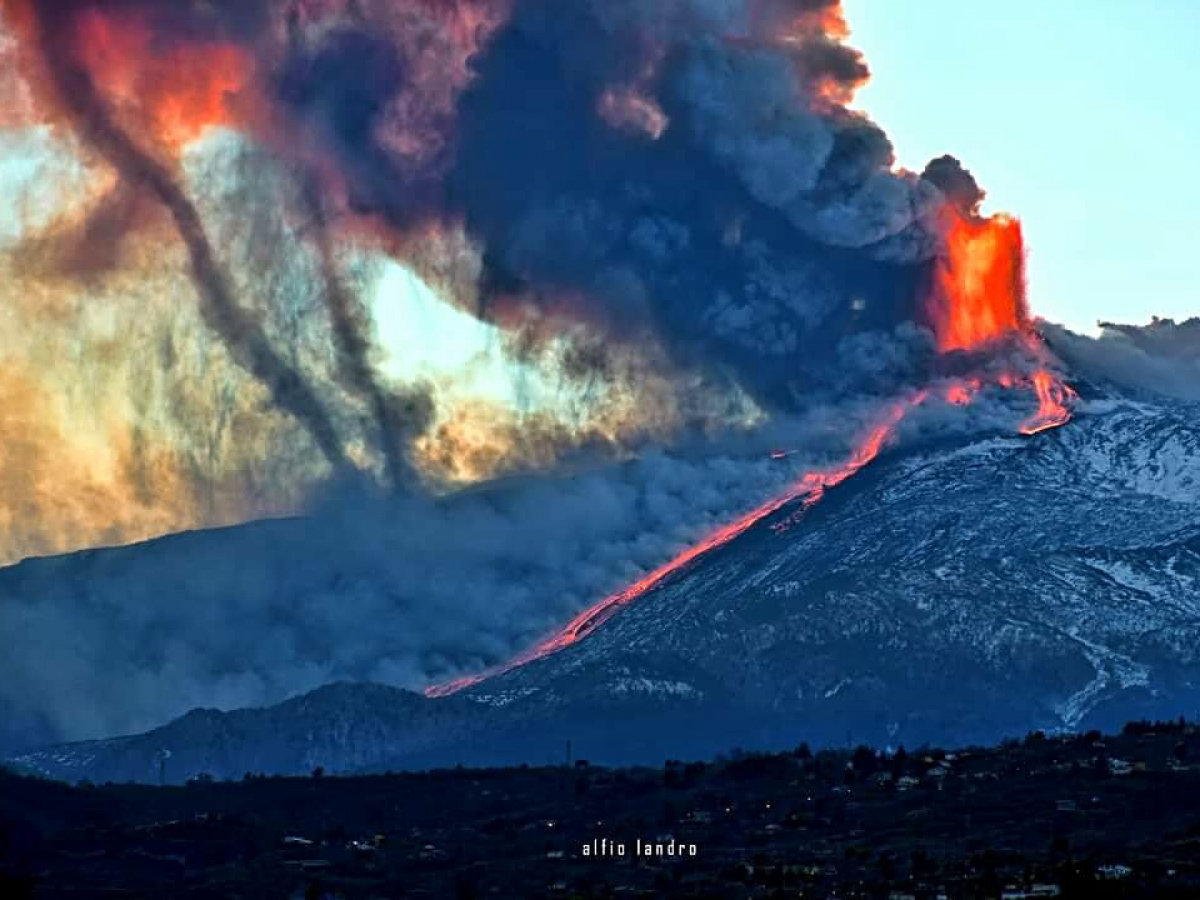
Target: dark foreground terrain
[1086,816]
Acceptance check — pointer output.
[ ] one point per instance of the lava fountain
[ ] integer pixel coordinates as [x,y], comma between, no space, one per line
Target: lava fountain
[978,297]
[979,284]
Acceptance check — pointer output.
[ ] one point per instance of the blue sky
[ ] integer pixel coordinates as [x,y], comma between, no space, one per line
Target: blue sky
[1081,118]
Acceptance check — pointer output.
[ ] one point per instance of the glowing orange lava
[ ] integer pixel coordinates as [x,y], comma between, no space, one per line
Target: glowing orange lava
[979,296]
[979,282]
[1054,398]
[808,489]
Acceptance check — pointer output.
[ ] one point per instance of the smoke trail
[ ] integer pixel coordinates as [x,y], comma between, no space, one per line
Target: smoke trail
[242,335]
[395,416]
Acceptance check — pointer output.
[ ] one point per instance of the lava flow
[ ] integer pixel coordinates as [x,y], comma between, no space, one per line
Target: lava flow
[808,489]
[1053,409]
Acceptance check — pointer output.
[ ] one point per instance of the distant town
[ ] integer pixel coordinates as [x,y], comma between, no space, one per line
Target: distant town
[1082,815]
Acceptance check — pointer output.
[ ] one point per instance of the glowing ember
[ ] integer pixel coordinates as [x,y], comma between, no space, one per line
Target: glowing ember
[808,489]
[963,393]
[979,283]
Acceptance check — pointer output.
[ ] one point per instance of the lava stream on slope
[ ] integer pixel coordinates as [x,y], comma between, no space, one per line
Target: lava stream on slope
[977,300]
[808,489]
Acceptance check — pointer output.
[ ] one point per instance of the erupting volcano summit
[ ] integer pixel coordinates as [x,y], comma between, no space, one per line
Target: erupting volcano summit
[518,294]
[978,299]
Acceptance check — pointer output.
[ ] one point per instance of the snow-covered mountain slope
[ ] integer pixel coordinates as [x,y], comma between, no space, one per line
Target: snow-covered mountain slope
[999,585]
[953,592]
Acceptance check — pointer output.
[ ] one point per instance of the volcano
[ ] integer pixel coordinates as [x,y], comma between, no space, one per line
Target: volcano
[672,242]
[956,590]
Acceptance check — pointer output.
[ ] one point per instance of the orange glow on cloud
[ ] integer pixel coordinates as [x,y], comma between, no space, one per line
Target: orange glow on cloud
[627,108]
[181,90]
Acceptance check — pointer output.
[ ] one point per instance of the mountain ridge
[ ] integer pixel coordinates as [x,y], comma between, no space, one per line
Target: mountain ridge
[973,590]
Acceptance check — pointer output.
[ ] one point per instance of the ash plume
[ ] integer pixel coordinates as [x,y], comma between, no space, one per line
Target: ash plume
[752,219]
[682,181]
[760,226]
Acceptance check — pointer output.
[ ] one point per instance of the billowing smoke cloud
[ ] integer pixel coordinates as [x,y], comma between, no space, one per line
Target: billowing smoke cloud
[1161,358]
[726,224]
[757,218]
[760,217]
